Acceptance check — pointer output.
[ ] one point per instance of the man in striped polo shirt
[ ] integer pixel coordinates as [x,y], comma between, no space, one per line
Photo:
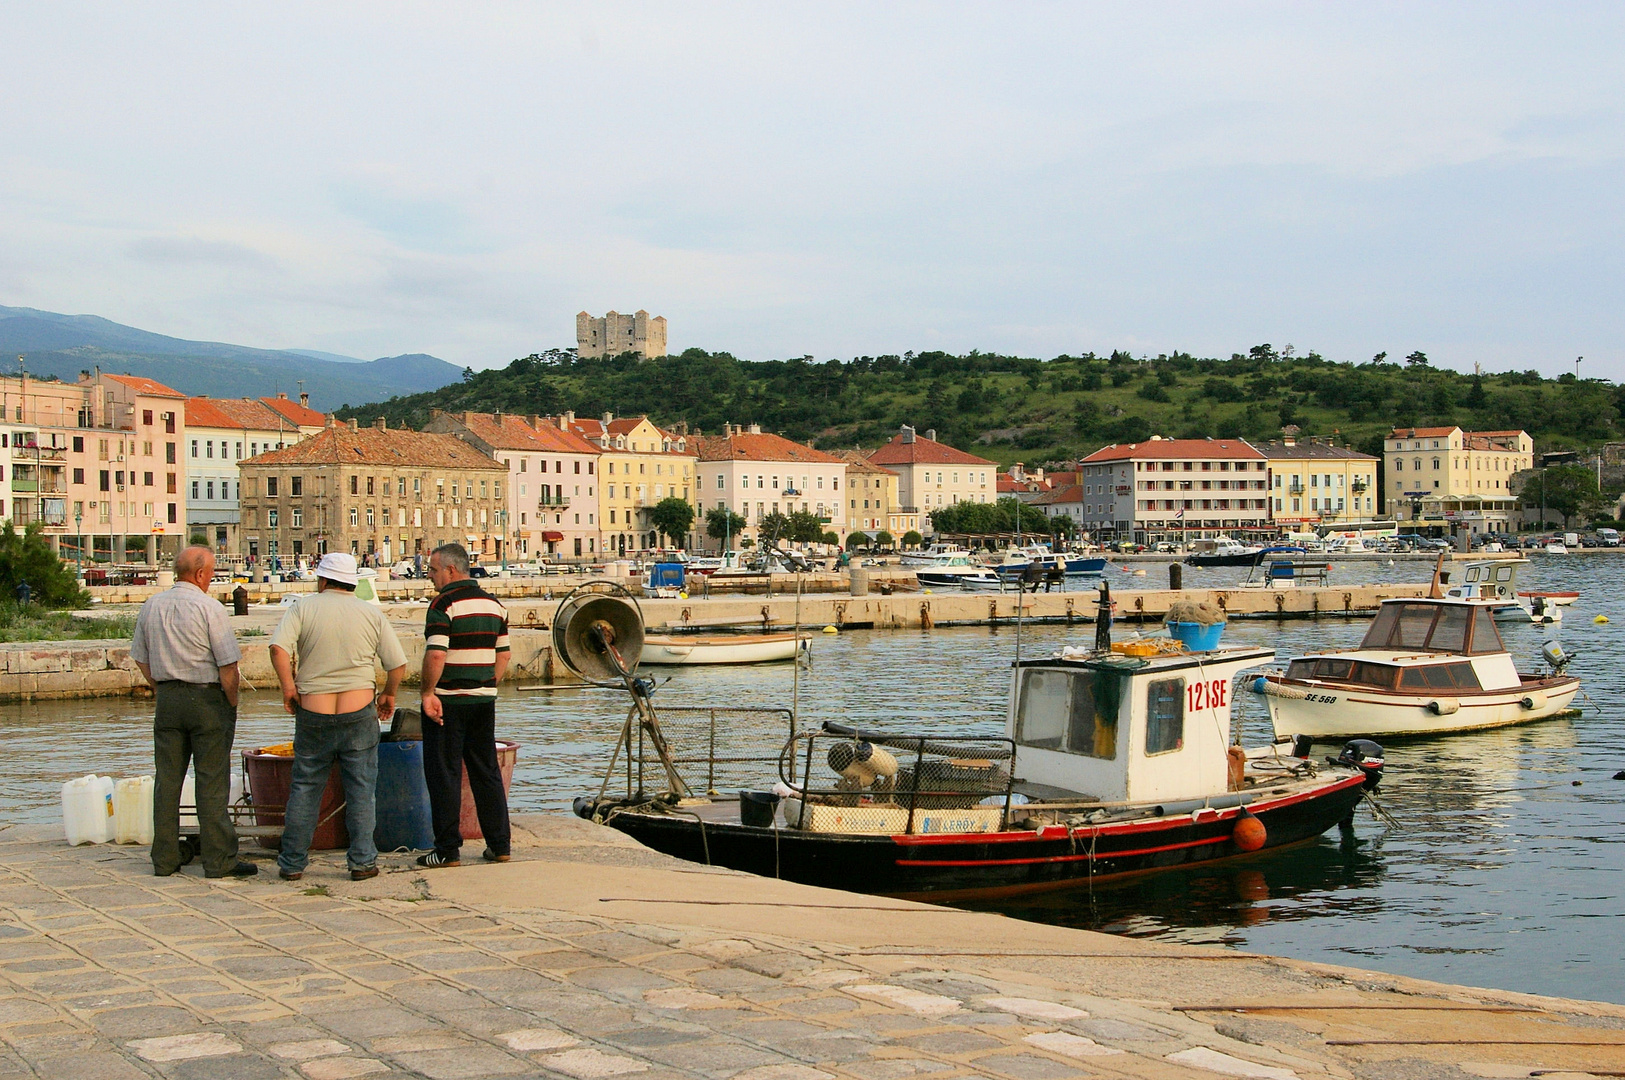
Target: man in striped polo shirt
[465,653]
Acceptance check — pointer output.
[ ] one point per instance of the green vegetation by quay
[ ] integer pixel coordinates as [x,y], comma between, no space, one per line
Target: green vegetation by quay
[27,557]
[1009,408]
[35,623]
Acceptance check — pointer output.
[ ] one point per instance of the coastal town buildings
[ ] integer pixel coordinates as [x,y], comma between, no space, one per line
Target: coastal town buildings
[615,334]
[756,473]
[133,466]
[872,504]
[552,479]
[220,433]
[639,464]
[1315,482]
[1444,476]
[380,494]
[1061,502]
[1176,489]
[931,475]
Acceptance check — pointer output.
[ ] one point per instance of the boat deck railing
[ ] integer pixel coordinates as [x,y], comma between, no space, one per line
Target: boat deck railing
[714,749]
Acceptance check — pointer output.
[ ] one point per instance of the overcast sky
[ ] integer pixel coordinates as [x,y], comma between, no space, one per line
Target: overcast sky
[780,180]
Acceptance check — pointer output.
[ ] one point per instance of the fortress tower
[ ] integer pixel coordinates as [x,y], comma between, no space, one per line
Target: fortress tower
[615,334]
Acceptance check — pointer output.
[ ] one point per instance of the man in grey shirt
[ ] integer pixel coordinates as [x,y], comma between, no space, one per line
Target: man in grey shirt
[334,639]
[186,651]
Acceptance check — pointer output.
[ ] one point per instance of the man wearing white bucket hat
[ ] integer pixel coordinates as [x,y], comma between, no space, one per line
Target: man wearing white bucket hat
[334,639]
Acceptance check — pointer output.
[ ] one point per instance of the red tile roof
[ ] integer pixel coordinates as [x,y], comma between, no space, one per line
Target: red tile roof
[507,431]
[1070,494]
[923,451]
[858,462]
[593,429]
[299,414]
[149,387]
[243,414]
[1192,449]
[763,447]
[343,445]
[1421,432]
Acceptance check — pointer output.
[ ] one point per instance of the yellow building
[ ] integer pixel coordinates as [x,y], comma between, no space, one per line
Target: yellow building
[639,464]
[1316,482]
[872,502]
[1445,476]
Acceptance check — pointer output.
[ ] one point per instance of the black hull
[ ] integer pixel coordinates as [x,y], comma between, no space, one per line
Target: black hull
[1225,560]
[964,866]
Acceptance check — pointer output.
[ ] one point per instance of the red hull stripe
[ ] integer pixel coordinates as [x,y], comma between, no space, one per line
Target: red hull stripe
[1125,829]
[1063,858]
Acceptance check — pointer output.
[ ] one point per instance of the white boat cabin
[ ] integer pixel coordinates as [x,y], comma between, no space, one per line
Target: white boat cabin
[1421,646]
[1491,579]
[1125,729]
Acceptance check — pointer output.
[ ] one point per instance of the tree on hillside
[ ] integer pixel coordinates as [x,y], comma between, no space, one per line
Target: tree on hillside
[27,556]
[672,517]
[1475,398]
[1417,359]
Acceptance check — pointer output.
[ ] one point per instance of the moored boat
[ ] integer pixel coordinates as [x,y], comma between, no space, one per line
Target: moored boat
[938,554]
[724,648]
[1225,551]
[1427,666]
[1110,765]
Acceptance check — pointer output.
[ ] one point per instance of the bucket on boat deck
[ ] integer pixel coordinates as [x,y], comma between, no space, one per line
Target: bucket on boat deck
[1195,636]
[757,807]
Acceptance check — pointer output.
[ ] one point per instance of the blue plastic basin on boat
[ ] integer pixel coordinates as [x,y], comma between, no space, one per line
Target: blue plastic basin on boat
[1195,636]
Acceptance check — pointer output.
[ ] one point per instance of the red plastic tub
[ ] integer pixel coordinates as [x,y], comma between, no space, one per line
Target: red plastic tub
[270,778]
[507,756]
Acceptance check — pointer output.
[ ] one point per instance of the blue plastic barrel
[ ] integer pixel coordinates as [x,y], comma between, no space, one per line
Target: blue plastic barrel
[1196,637]
[403,818]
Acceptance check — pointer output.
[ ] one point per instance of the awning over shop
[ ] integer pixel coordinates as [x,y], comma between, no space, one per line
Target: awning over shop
[473,539]
[552,537]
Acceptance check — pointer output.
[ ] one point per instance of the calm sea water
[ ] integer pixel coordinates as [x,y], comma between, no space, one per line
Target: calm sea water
[1506,869]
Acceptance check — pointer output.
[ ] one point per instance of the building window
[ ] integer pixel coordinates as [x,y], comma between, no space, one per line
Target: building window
[355,517]
[194,489]
[297,485]
[271,487]
[298,516]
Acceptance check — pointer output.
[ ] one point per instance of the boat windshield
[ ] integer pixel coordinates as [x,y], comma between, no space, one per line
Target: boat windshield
[1432,627]
[1073,712]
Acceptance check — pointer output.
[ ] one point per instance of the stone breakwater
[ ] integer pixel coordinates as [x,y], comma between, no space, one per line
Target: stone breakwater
[70,669]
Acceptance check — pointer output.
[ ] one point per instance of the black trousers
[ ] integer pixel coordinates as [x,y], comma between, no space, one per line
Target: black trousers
[465,738]
[193,723]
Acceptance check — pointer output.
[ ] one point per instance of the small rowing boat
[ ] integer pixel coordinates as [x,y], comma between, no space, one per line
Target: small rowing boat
[724,648]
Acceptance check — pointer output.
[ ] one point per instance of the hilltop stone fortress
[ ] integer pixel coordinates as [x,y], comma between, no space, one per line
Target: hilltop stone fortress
[615,334]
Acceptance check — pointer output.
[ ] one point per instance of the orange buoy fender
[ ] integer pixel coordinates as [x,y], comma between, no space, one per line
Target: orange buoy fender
[1249,834]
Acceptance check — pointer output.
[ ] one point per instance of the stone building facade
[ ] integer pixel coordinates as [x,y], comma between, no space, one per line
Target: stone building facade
[381,495]
[756,474]
[615,334]
[931,475]
[220,433]
[1457,479]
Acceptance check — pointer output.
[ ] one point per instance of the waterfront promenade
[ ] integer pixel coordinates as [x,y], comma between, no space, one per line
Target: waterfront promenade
[589,956]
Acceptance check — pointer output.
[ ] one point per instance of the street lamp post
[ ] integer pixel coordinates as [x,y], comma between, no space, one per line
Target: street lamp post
[79,541]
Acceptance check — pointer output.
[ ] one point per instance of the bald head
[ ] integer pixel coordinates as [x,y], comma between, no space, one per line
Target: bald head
[195,564]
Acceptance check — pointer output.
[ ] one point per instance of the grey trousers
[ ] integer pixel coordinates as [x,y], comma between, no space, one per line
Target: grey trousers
[195,723]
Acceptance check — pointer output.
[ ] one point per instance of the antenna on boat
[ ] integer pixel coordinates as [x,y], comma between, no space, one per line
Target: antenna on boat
[1021,588]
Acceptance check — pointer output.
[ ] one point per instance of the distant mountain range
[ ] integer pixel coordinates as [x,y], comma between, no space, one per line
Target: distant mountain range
[64,345]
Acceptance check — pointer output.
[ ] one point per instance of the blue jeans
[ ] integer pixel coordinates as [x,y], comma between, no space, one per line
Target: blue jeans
[351,739]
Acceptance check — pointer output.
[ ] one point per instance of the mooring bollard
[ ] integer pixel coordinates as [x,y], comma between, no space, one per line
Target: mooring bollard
[1176,576]
[239,601]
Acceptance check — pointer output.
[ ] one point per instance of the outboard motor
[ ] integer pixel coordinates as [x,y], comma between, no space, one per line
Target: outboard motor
[1365,755]
[1554,656]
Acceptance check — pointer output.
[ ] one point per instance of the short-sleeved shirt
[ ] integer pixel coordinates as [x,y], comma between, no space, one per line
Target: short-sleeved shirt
[183,635]
[334,639]
[470,627]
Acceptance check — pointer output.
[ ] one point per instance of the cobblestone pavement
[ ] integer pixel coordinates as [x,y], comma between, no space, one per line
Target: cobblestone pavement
[107,972]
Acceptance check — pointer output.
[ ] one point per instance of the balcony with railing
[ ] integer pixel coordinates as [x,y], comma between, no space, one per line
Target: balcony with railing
[39,453]
[545,503]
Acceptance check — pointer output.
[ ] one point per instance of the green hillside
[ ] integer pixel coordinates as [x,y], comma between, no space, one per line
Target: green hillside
[1010,408]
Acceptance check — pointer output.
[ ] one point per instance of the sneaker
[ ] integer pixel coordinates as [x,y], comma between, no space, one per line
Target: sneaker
[362,873]
[290,875]
[491,856]
[242,869]
[434,860]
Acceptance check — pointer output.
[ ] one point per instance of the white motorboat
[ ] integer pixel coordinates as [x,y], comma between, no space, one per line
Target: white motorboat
[935,555]
[725,648]
[947,574]
[1427,666]
[1496,580]
[1556,547]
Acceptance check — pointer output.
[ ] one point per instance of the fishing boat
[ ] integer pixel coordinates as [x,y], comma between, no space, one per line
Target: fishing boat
[1558,598]
[724,648]
[1110,765]
[1225,551]
[939,554]
[1496,581]
[1428,666]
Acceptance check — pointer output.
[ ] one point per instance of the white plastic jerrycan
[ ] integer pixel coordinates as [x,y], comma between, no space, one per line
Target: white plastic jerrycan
[189,798]
[87,809]
[132,810]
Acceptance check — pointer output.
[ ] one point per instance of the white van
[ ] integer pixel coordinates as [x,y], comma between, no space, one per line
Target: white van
[1608,537]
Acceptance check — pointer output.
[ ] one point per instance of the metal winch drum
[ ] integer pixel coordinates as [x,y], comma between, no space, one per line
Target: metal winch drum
[580,626]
